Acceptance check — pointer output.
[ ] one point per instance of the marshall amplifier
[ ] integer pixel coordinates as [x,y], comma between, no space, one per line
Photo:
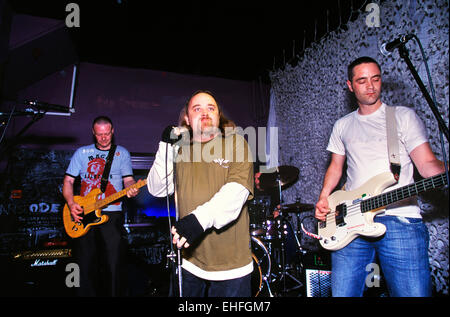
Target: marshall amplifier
[42,273]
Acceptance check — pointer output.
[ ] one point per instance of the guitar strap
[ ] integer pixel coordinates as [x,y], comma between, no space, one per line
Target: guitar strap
[108,163]
[392,140]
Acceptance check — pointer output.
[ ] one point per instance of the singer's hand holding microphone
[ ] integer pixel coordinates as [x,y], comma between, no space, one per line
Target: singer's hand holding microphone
[173,134]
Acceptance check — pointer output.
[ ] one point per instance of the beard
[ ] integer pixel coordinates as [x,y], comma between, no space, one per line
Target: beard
[206,131]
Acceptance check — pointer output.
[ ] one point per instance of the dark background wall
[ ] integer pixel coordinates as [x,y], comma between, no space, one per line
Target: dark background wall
[141,103]
[39,56]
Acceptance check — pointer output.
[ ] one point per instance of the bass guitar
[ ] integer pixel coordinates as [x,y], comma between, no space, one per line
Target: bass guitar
[92,205]
[352,212]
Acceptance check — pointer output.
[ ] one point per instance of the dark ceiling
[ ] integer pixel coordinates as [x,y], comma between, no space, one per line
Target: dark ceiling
[236,40]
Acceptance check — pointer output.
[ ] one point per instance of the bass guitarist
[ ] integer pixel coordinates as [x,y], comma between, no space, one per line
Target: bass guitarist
[100,251]
[360,139]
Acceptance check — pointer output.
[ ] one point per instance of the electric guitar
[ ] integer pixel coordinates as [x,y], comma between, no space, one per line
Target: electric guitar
[92,204]
[352,212]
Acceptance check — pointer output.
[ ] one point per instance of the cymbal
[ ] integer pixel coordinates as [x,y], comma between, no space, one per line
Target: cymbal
[287,175]
[297,207]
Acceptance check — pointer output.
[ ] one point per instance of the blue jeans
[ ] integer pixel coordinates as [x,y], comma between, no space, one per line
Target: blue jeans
[194,286]
[403,257]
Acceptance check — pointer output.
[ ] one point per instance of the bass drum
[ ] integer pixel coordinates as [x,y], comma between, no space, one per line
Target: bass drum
[261,266]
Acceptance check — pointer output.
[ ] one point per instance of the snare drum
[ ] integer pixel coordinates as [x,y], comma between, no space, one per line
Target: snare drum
[261,266]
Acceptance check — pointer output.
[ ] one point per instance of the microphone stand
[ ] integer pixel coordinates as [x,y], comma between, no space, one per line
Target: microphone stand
[403,52]
[34,119]
[171,257]
[177,217]
[405,55]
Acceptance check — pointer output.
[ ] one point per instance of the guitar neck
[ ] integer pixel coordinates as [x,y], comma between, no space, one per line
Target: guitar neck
[404,192]
[100,203]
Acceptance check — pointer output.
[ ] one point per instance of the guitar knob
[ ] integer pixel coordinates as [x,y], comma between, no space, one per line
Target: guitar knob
[333,238]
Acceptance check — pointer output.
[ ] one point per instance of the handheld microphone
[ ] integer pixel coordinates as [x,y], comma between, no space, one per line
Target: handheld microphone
[179,130]
[46,106]
[173,134]
[387,48]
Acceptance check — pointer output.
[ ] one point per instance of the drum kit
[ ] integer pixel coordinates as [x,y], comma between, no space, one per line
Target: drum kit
[276,249]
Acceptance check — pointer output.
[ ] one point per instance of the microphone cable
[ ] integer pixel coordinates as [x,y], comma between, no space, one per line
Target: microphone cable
[433,94]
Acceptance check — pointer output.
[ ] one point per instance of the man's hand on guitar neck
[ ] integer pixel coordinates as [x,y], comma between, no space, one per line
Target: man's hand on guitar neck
[131,191]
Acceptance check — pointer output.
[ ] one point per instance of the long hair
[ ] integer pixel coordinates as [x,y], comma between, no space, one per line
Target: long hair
[224,122]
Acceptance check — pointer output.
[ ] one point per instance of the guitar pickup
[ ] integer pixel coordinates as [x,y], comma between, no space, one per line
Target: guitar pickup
[340,214]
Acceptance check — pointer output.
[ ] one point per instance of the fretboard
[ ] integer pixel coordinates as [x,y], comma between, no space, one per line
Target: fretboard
[404,192]
[111,198]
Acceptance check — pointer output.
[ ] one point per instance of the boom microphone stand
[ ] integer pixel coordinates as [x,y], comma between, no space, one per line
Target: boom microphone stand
[403,52]
[405,55]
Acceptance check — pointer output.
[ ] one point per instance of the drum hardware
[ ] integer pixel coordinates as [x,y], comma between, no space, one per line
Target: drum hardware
[297,207]
[263,263]
[275,232]
[284,265]
[283,177]
[258,210]
[279,237]
[274,228]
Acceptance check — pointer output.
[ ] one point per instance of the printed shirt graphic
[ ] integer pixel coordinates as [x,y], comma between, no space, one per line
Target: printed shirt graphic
[88,162]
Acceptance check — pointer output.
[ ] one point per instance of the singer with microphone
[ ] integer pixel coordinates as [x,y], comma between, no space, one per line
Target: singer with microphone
[213,181]
[361,140]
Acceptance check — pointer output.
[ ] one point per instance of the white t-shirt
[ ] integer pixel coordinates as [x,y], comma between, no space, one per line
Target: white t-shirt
[363,139]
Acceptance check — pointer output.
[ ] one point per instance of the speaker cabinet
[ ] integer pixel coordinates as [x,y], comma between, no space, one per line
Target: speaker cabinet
[318,274]
[318,283]
[40,273]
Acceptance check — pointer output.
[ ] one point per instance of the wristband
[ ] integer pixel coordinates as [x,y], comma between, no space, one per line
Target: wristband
[190,228]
